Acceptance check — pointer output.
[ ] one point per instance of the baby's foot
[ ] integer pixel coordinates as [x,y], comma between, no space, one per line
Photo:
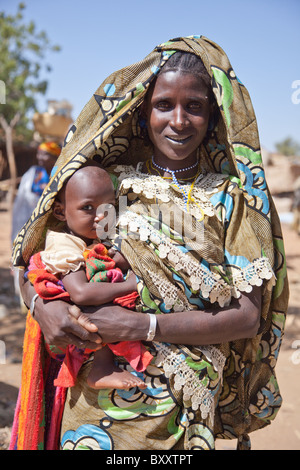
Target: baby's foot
[113,377]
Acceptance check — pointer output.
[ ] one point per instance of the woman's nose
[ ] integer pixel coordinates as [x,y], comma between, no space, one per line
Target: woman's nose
[179,118]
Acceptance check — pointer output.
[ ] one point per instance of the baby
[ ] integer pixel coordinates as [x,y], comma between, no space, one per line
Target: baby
[81,205]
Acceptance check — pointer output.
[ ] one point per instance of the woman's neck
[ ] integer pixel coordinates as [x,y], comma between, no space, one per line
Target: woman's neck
[182,169]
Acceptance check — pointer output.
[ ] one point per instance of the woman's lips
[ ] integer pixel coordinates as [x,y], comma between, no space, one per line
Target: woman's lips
[178,140]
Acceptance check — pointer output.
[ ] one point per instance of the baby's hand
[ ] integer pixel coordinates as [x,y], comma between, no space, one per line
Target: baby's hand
[119,259]
[131,282]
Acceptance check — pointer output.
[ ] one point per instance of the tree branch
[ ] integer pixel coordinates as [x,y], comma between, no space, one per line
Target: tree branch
[3,122]
[15,120]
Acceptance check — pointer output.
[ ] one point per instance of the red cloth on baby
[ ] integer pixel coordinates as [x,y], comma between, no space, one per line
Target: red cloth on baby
[99,268]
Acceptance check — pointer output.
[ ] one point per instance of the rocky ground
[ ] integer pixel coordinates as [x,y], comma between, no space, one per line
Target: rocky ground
[283,434]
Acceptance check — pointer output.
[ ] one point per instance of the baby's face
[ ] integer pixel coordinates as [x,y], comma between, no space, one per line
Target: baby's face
[87,201]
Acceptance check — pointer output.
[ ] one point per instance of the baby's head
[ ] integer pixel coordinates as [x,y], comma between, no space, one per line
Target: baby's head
[78,203]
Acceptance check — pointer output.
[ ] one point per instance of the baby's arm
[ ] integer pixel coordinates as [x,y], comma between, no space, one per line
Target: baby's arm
[83,292]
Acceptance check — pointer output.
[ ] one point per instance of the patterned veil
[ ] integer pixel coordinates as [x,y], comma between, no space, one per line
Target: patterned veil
[108,131]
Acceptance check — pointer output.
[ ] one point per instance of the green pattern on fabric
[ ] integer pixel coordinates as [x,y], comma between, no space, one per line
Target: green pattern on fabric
[249,154]
[226,93]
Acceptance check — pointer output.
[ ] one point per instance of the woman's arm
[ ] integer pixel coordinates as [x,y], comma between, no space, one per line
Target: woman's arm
[61,323]
[83,292]
[240,320]
[211,326]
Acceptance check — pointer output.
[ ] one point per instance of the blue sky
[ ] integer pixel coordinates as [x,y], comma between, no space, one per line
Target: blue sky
[261,38]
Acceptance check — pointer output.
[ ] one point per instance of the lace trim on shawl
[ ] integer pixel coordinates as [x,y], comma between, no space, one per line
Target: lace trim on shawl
[153,186]
[210,284]
[185,378]
[169,293]
[252,275]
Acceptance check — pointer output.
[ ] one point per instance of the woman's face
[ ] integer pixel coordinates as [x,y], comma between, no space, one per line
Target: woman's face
[178,111]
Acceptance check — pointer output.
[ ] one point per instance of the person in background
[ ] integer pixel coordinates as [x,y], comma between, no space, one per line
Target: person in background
[30,189]
[296,207]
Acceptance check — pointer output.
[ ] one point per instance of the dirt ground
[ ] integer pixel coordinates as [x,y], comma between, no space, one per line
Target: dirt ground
[283,434]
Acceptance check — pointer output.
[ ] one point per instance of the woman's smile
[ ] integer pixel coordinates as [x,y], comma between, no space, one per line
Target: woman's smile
[178,140]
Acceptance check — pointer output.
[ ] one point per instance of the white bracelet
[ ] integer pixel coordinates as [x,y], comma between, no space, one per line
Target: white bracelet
[152,327]
[32,304]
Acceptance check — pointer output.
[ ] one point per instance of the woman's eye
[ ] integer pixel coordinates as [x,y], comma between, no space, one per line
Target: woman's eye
[163,105]
[195,106]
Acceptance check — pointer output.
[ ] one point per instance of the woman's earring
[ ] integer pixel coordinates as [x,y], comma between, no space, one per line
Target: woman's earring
[144,129]
[142,123]
[211,124]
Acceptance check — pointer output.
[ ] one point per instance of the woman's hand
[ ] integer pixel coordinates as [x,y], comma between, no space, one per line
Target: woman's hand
[63,324]
[116,323]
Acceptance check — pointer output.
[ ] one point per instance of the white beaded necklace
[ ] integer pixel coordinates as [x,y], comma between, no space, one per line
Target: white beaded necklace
[172,172]
[194,165]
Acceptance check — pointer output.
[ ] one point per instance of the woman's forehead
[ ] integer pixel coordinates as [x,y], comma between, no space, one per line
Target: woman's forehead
[178,81]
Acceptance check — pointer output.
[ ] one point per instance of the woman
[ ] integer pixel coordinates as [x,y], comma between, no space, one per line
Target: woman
[216,317]
[30,189]
[33,183]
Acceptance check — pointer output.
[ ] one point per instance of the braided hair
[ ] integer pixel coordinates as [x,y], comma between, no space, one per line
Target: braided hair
[186,62]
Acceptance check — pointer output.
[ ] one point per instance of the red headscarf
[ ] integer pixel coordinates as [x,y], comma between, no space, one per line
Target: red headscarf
[50,147]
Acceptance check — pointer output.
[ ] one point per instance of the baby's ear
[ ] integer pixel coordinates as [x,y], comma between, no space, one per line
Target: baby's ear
[59,210]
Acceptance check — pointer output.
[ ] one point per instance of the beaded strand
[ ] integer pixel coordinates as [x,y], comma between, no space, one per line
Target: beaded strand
[186,196]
